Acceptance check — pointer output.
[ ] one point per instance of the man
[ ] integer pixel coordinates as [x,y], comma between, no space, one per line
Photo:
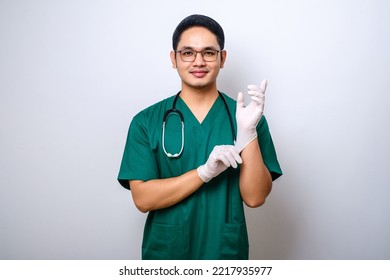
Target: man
[183,163]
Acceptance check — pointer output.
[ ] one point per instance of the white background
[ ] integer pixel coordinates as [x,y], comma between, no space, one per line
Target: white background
[74,73]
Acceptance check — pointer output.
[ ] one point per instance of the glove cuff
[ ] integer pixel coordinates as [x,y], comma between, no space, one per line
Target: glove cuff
[242,142]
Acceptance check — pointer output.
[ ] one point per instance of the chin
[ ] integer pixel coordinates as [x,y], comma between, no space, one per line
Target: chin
[201,85]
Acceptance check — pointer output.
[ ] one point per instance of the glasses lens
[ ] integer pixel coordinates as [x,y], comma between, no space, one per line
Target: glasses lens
[209,55]
[190,55]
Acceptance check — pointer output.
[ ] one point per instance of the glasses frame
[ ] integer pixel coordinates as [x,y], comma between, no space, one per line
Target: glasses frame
[202,52]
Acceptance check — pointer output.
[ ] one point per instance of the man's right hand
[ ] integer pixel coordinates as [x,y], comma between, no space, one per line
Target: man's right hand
[220,159]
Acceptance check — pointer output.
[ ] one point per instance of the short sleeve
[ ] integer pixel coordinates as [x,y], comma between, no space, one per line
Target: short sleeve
[138,161]
[268,149]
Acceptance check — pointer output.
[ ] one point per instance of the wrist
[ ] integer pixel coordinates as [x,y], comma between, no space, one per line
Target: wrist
[203,174]
[244,139]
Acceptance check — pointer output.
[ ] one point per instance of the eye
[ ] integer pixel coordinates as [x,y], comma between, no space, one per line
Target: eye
[209,53]
[187,53]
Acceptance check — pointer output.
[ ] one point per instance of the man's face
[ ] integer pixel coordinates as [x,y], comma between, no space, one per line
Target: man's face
[199,73]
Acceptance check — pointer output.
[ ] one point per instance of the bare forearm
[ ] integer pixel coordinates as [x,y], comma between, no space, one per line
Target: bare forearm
[163,193]
[255,179]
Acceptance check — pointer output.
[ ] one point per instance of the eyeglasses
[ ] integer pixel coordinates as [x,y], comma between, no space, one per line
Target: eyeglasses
[189,55]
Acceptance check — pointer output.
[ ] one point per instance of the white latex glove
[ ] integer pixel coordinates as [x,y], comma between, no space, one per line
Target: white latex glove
[220,159]
[248,117]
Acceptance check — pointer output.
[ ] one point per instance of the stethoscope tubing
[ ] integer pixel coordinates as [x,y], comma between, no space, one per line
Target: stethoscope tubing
[173,110]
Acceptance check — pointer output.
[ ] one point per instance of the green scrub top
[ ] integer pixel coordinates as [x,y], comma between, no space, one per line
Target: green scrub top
[210,223]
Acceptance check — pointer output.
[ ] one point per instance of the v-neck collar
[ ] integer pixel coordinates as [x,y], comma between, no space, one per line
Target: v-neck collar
[215,108]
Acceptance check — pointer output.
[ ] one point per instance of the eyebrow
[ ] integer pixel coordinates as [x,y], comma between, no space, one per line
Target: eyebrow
[205,48]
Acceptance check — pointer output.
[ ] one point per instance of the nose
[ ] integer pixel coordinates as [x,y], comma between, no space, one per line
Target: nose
[199,59]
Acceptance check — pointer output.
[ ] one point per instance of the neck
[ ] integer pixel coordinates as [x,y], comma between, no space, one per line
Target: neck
[199,100]
[199,96]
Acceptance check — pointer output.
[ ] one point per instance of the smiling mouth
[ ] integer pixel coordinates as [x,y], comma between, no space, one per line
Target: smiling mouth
[199,74]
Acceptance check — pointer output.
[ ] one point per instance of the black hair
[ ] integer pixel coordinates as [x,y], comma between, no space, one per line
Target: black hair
[202,21]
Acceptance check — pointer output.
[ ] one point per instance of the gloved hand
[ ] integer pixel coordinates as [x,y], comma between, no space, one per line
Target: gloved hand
[220,159]
[248,117]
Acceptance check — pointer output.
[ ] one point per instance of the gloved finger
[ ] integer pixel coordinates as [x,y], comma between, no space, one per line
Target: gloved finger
[224,158]
[240,100]
[236,155]
[258,100]
[263,85]
[256,93]
[261,88]
[225,153]
[233,156]
[254,88]
[230,157]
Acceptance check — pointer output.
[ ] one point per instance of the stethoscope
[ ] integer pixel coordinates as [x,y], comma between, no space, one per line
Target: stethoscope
[173,110]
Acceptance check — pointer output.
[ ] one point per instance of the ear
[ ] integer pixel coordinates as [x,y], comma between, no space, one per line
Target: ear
[173,59]
[223,58]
